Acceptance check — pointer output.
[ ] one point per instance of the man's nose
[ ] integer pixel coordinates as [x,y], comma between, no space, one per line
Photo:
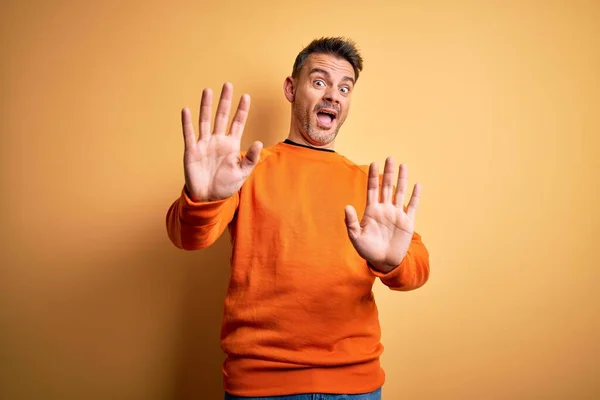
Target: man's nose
[332,95]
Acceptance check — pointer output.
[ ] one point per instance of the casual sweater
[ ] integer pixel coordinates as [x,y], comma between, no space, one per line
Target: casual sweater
[299,313]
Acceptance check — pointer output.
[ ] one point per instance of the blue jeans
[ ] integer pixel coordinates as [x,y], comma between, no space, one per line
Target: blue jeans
[376,395]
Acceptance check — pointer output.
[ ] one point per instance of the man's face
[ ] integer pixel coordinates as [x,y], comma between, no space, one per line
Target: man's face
[321,97]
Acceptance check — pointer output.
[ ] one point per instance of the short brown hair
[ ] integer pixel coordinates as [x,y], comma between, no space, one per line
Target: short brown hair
[337,46]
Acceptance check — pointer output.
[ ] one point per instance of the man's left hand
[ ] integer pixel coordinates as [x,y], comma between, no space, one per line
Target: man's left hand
[385,232]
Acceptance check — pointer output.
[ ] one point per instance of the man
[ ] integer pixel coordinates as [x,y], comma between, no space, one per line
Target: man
[300,319]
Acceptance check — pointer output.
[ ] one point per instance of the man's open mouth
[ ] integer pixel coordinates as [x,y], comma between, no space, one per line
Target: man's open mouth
[326,117]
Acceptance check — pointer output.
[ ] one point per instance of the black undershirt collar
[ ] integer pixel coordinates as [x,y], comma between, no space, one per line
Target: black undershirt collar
[288,141]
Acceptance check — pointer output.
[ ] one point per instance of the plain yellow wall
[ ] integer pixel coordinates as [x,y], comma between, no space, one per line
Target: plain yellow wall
[493,106]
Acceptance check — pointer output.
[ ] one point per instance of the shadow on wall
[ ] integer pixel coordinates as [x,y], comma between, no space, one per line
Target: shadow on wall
[108,322]
[199,358]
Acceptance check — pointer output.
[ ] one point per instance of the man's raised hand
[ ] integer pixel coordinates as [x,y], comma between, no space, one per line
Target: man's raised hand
[213,165]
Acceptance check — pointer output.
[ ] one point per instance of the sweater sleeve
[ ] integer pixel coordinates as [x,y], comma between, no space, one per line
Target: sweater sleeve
[412,272]
[196,225]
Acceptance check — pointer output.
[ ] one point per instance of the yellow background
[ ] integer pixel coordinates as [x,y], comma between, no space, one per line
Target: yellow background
[493,106]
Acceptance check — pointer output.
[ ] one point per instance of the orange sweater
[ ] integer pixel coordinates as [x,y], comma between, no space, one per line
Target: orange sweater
[299,314]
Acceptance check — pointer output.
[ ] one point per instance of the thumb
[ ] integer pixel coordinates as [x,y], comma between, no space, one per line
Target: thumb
[352,223]
[252,157]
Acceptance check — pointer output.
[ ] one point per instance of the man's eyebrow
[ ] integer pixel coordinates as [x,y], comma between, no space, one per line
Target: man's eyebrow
[347,78]
[327,74]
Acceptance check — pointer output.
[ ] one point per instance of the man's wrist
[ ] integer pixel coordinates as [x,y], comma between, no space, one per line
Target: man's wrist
[384,268]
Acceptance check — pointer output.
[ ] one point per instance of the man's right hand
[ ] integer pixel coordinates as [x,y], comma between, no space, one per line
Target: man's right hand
[213,165]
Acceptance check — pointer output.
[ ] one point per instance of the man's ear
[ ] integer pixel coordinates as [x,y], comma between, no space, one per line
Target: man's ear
[289,89]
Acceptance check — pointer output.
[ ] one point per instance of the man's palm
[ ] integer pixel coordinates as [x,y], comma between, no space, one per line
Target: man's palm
[213,165]
[384,234]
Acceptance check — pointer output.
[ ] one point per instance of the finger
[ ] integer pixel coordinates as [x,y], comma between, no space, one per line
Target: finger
[352,224]
[241,115]
[189,136]
[251,158]
[413,203]
[373,185]
[401,185]
[223,109]
[205,114]
[387,184]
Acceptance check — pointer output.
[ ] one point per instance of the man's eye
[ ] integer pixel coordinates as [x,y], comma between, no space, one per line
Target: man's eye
[319,83]
[345,89]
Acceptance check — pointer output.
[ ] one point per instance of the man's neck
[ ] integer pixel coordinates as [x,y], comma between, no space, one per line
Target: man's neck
[289,141]
[297,137]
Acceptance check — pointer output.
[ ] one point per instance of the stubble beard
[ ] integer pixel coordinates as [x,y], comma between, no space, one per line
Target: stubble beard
[310,129]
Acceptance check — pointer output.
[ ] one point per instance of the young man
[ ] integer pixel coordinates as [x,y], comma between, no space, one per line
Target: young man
[300,319]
